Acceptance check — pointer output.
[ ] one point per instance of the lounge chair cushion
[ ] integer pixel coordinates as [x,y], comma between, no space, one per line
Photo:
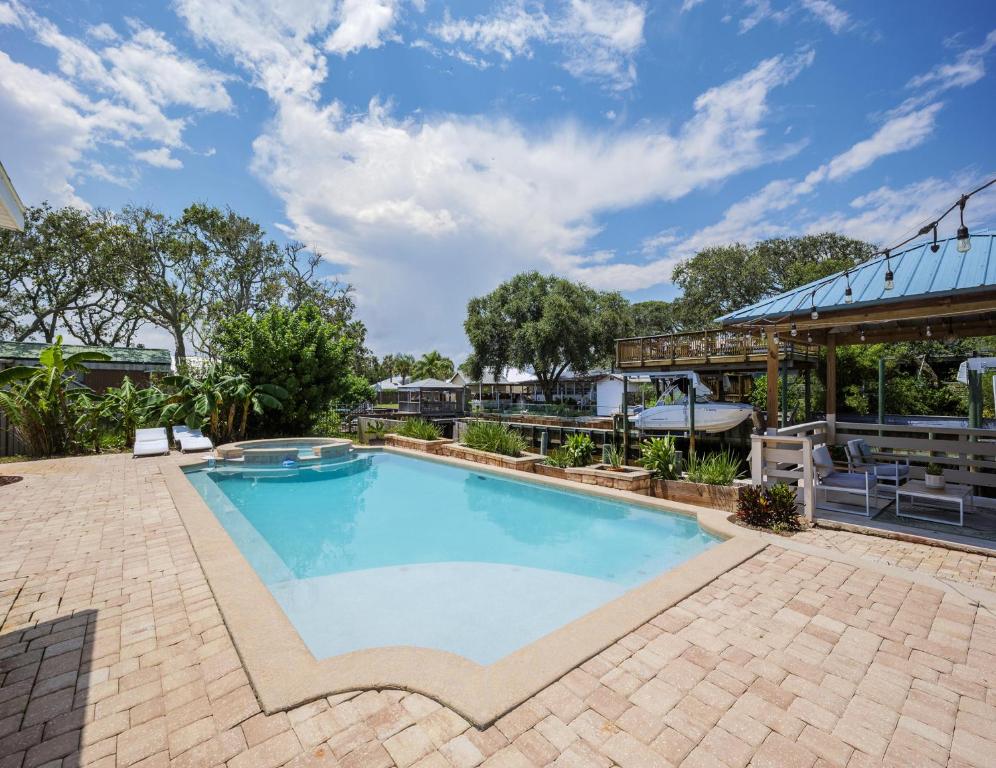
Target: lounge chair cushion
[855,480]
[822,461]
[151,447]
[195,442]
[152,433]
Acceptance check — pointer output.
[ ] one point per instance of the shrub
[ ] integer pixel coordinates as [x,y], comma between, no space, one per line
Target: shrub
[720,468]
[494,437]
[660,456]
[612,456]
[419,429]
[579,449]
[559,457]
[328,424]
[773,508]
[307,356]
[376,430]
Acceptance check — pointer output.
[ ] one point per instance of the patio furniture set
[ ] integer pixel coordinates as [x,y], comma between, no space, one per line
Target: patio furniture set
[153,441]
[880,480]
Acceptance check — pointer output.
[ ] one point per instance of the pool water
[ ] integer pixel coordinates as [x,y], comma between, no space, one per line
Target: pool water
[384,550]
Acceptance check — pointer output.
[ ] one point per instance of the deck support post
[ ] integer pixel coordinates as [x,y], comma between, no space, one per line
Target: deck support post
[625,418]
[772,403]
[808,394]
[831,387]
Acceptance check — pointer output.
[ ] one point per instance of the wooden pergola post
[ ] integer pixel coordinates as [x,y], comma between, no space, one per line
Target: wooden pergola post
[772,382]
[831,386]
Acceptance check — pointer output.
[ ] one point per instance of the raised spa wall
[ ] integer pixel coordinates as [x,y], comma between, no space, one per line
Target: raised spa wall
[257,452]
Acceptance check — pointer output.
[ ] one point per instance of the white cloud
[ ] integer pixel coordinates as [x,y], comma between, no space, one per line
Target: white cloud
[508,32]
[598,38]
[687,5]
[837,19]
[160,158]
[361,25]
[968,68]
[100,98]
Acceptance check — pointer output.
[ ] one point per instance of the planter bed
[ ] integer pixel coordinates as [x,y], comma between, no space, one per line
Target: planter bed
[632,479]
[722,497]
[550,471]
[525,463]
[415,444]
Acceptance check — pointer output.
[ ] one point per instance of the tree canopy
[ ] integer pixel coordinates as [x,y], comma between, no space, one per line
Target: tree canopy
[545,323]
[723,278]
[299,349]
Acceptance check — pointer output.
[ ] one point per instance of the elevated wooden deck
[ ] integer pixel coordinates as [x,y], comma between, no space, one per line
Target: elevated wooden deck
[729,351]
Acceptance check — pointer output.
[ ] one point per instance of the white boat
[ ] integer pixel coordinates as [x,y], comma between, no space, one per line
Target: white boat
[671,410]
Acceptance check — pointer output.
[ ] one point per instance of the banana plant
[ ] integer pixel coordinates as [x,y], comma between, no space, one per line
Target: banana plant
[39,400]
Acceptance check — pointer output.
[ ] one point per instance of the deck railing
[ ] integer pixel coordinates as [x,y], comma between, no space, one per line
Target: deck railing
[703,346]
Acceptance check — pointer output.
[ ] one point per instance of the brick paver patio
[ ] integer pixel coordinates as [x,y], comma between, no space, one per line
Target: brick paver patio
[113,653]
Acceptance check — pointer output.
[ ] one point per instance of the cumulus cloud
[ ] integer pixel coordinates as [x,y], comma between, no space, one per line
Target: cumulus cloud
[97,98]
[598,38]
[160,158]
[362,23]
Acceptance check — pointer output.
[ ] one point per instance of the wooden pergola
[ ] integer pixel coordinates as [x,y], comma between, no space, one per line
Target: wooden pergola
[938,294]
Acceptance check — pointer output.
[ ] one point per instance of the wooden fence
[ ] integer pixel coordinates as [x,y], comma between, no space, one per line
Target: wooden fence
[10,443]
[787,456]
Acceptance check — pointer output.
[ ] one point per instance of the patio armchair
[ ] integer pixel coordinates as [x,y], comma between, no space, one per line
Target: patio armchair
[860,458]
[150,442]
[857,483]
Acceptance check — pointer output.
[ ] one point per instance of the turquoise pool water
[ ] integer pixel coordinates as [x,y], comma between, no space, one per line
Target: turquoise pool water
[386,550]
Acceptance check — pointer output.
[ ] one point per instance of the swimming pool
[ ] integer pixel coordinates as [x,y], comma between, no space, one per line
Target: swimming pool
[388,550]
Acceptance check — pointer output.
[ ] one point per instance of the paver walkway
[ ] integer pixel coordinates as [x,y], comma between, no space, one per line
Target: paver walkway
[113,653]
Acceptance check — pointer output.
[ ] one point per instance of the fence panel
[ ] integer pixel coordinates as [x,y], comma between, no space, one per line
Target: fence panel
[10,443]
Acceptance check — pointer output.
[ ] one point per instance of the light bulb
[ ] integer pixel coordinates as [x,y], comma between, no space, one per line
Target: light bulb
[848,295]
[889,280]
[862,335]
[815,315]
[929,334]
[809,338]
[964,241]
[795,331]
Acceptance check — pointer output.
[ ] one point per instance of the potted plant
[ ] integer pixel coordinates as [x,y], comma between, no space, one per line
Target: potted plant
[934,476]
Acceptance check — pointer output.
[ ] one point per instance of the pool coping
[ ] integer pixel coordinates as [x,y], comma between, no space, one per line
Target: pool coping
[285,674]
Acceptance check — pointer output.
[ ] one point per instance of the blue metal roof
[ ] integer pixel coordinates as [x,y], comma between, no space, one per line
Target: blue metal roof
[917,271]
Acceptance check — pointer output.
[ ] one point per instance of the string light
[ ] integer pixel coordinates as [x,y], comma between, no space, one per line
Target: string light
[964,241]
[809,338]
[964,244]
[812,300]
[795,331]
[862,334]
[929,334]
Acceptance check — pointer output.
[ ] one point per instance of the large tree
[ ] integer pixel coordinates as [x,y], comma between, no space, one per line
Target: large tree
[545,323]
[53,277]
[650,317]
[298,350]
[724,278]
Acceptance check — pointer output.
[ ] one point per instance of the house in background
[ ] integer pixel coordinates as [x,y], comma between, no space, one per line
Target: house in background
[137,363]
[11,207]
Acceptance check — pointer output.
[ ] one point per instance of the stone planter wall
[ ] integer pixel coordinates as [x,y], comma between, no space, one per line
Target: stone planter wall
[524,463]
[633,480]
[414,444]
[558,472]
[722,497]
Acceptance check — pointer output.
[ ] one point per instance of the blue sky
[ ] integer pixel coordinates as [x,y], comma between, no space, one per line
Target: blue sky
[431,149]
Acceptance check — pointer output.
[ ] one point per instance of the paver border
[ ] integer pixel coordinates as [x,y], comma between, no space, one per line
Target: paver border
[285,674]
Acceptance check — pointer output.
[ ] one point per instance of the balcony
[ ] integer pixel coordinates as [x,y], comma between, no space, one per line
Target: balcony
[727,349]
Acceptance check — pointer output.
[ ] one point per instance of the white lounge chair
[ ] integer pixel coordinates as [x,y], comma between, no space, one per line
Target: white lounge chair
[188,439]
[830,480]
[151,442]
[860,458]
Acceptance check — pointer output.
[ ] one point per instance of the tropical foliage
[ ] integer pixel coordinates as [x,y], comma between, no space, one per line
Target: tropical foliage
[219,402]
[659,455]
[420,429]
[720,468]
[559,457]
[432,365]
[494,437]
[42,403]
[579,449]
[769,507]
